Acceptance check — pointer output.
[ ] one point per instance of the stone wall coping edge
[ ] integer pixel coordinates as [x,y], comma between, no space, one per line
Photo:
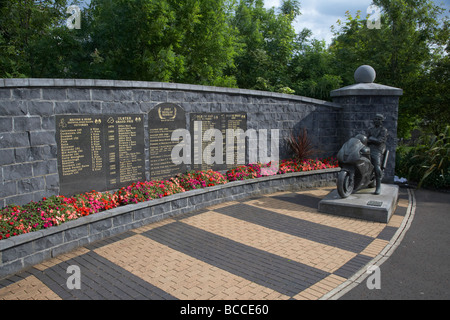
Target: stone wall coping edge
[116,84]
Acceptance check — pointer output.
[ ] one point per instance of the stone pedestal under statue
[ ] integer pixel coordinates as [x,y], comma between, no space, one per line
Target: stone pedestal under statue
[363,204]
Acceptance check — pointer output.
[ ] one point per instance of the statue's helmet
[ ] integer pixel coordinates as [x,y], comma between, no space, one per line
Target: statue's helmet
[379,117]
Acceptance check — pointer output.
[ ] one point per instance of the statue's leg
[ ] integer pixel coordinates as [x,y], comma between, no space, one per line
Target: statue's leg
[378,174]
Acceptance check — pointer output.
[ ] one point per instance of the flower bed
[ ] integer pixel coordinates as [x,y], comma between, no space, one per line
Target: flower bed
[55,210]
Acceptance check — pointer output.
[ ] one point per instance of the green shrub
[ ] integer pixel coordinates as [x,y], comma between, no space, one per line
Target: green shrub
[427,163]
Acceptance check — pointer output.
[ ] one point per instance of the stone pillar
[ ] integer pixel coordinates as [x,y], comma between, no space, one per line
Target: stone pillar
[361,102]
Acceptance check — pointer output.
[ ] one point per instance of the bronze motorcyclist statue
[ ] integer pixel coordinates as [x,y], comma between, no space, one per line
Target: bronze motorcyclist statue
[362,160]
[376,140]
[356,152]
[357,169]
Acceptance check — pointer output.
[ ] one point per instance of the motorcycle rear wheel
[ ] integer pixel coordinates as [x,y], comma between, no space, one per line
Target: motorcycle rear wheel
[344,185]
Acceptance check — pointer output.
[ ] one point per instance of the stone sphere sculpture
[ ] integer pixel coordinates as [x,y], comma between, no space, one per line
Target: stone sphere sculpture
[365,74]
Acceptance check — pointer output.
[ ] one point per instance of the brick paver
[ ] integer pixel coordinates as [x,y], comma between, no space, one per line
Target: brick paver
[295,248]
[274,247]
[179,274]
[29,288]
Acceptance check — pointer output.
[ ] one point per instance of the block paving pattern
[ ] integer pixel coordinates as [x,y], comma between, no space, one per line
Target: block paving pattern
[273,247]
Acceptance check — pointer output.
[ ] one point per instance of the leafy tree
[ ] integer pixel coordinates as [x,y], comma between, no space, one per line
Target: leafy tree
[268,42]
[22,26]
[401,51]
[207,41]
[313,73]
[120,35]
[433,93]
[163,40]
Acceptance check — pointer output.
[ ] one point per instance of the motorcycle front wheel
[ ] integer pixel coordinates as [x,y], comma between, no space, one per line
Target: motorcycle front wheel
[344,185]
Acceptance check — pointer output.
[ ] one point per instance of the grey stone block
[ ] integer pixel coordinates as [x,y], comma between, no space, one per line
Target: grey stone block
[49,240]
[119,229]
[142,95]
[123,83]
[143,213]
[94,237]
[5,93]
[39,138]
[67,107]
[17,171]
[52,182]
[117,95]
[195,200]
[178,204]
[36,82]
[17,252]
[26,93]
[13,108]
[45,152]
[123,219]
[48,123]
[42,168]
[11,268]
[175,96]
[54,94]
[64,248]
[22,124]
[123,95]
[36,258]
[6,124]
[140,84]
[363,204]
[100,226]
[161,208]
[7,157]
[41,108]
[76,94]
[90,107]
[159,96]
[145,107]
[120,107]
[8,189]
[84,82]
[31,185]
[196,97]
[75,233]
[16,82]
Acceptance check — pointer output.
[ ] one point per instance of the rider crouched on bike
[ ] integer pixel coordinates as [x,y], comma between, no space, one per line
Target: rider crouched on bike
[355,151]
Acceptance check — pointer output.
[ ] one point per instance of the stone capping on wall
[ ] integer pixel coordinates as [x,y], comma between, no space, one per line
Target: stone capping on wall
[367,89]
[124,84]
[23,251]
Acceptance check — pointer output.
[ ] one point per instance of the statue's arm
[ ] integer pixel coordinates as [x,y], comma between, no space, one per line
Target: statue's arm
[384,135]
[382,138]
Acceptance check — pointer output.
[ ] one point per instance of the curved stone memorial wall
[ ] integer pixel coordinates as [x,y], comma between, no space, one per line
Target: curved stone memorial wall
[60,136]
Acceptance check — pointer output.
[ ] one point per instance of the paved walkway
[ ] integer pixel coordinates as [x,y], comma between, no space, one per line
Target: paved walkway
[274,247]
[419,268]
